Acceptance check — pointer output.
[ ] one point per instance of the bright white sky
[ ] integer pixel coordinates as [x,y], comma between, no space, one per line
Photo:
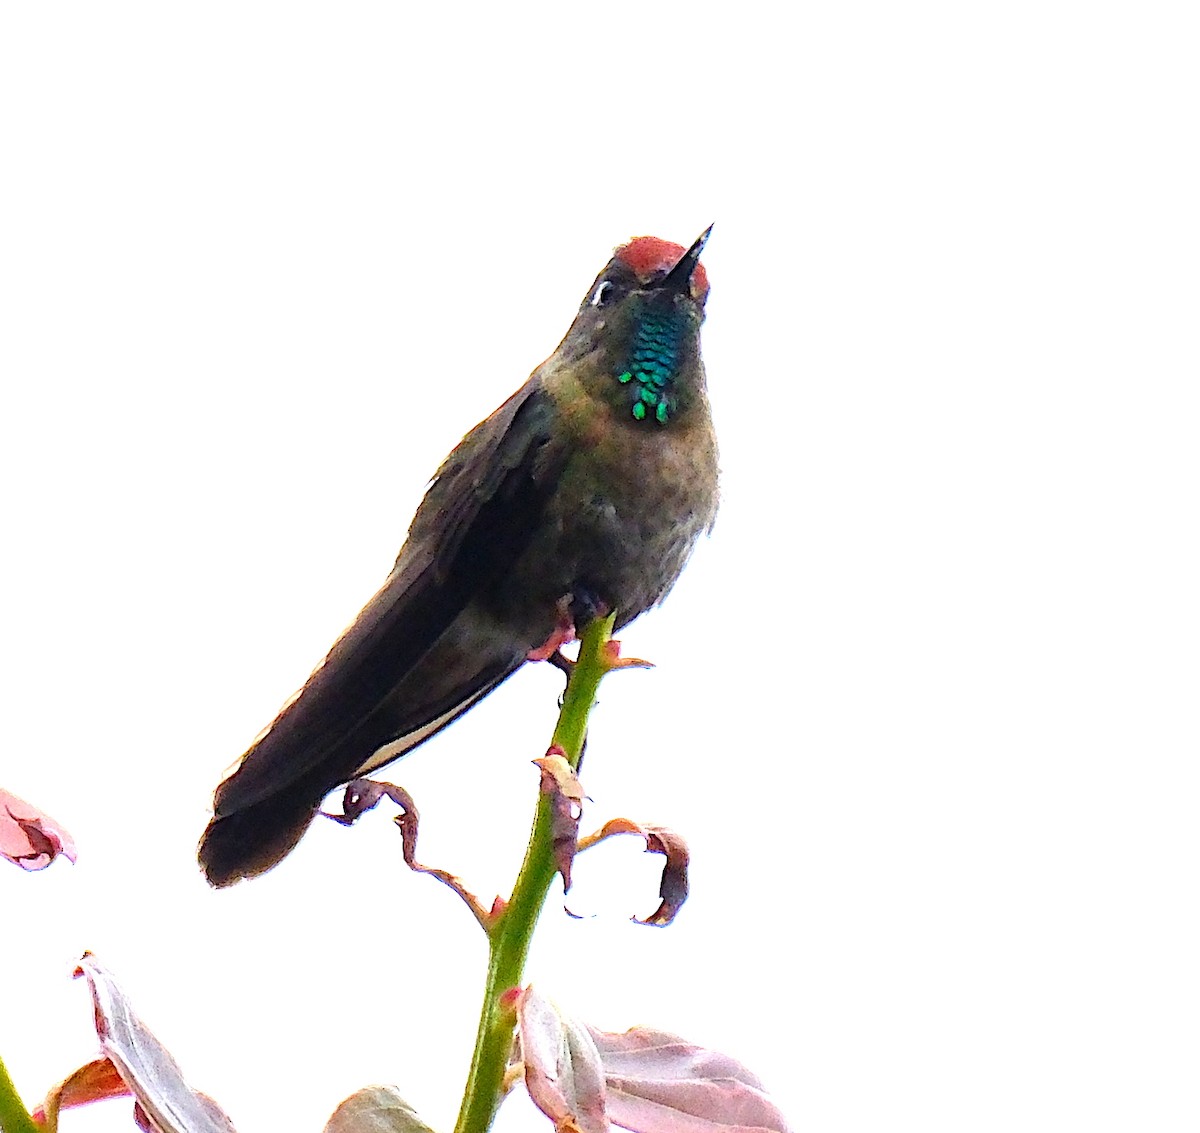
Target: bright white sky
[926,702]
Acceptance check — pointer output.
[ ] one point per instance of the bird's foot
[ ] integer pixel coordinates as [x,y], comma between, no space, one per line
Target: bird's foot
[585,606]
[574,611]
[562,634]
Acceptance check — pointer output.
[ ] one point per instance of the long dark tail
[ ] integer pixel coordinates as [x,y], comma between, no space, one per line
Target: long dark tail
[249,842]
[412,662]
[253,829]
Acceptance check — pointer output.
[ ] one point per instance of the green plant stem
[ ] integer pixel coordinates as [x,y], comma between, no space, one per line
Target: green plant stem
[14,1117]
[510,934]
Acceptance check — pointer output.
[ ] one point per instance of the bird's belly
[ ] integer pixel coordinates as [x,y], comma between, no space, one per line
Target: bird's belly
[617,531]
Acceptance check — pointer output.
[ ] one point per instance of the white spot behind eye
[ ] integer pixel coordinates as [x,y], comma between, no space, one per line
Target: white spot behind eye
[598,295]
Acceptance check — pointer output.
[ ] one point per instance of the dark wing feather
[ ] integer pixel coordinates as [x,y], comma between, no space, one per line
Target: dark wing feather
[478,516]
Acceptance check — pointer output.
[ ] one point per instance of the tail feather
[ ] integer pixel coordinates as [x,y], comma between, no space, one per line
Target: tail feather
[261,812]
[249,842]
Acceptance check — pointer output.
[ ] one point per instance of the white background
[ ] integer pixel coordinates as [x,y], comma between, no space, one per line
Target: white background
[925,704]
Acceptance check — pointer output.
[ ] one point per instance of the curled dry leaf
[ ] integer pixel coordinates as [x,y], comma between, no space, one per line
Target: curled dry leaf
[673,888]
[659,1083]
[28,837]
[562,786]
[375,1109]
[563,1072]
[93,1082]
[362,795]
[164,1102]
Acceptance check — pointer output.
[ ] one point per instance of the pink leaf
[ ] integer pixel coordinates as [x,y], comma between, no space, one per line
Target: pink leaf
[659,1083]
[562,1067]
[375,1109]
[28,837]
[165,1103]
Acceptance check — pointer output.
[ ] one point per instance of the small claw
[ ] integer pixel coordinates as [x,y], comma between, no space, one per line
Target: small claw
[576,610]
[562,634]
[553,643]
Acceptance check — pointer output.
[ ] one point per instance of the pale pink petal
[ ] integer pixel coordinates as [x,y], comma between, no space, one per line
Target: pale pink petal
[562,1067]
[28,837]
[165,1102]
[660,1083]
[375,1109]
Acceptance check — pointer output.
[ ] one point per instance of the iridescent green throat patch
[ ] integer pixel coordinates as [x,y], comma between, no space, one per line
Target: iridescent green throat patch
[653,362]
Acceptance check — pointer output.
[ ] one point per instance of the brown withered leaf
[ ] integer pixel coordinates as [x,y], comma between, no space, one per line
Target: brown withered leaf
[164,1102]
[362,795]
[659,1083]
[28,837]
[673,888]
[562,786]
[563,1072]
[375,1109]
[93,1082]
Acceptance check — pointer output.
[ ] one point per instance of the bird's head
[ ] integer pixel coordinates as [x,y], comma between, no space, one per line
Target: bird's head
[639,325]
[650,265]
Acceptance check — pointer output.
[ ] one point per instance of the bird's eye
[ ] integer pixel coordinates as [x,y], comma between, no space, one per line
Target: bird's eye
[602,293]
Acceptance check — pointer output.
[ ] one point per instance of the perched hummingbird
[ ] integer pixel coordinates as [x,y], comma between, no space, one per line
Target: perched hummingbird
[584,493]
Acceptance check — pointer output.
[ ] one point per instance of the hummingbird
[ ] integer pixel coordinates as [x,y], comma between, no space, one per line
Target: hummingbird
[582,495]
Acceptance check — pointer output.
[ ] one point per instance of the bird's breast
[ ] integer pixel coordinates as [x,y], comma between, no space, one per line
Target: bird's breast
[632,499]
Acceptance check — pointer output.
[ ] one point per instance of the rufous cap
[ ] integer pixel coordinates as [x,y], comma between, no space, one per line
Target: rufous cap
[646,255]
